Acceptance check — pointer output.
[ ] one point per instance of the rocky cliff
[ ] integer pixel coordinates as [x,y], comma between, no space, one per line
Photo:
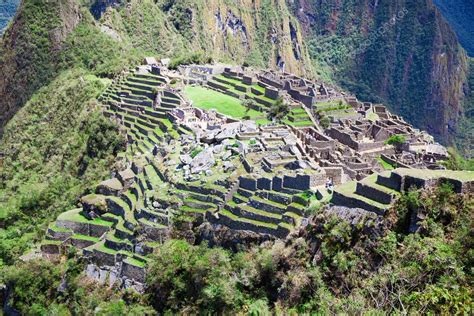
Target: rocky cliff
[401,52]
[262,32]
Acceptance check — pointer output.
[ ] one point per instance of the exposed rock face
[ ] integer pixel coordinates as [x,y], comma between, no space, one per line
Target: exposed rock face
[29,50]
[219,235]
[99,6]
[262,33]
[402,52]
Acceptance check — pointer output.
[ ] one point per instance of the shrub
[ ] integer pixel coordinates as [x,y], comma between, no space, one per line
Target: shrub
[396,140]
[278,110]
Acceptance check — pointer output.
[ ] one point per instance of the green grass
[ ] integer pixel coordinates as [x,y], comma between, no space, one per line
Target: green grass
[208,99]
[298,124]
[250,209]
[135,262]
[76,216]
[85,237]
[385,164]
[247,220]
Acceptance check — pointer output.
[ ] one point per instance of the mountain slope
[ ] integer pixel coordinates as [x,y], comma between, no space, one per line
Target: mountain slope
[460,14]
[399,52]
[262,33]
[29,50]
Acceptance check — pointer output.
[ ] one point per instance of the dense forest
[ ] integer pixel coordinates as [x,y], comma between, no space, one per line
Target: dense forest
[460,14]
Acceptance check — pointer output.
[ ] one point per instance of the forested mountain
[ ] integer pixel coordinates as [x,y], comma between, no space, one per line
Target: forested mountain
[460,14]
[59,58]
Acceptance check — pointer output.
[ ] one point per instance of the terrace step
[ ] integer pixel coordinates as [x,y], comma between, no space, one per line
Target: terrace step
[246,211]
[346,195]
[153,216]
[267,205]
[238,223]
[197,204]
[372,190]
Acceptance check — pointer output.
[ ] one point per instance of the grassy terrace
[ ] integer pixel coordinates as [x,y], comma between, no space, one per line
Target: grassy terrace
[85,237]
[76,216]
[433,174]
[208,99]
[240,83]
[269,202]
[371,181]
[250,209]
[135,262]
[348,189]
[385,164]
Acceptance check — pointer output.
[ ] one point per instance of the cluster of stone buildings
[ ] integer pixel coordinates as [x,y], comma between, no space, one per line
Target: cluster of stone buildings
[185,165]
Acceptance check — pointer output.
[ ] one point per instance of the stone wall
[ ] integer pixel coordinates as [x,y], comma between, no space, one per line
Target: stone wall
[248,183]
[300,182]
[340,199]
[272,93]
[133,272]
[374,194]
[335,173]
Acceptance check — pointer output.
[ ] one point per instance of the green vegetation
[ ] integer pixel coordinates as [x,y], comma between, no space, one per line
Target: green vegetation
[56,147]
[465,132]
[278,110]
[89,48]
[36,290]
[207,99]
[397,141]
[195,58]
[457,12]
[385,164]
[457,162]
[363,268]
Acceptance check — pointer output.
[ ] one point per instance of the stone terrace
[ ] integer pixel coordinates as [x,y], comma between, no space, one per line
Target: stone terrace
[185,166]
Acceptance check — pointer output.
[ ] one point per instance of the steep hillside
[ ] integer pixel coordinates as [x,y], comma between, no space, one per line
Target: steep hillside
[29,50]
[465,135]
[262,33]
[7,11]
[402,52]
[460,14]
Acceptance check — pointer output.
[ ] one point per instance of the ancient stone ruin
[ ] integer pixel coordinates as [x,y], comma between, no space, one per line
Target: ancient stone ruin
[187,165]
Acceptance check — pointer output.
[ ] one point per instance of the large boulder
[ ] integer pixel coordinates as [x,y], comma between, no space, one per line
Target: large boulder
[203,161]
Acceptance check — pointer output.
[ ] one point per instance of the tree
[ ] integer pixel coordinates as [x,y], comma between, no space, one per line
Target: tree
[278,110]
[325,122]
[247,103]
[397,141]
